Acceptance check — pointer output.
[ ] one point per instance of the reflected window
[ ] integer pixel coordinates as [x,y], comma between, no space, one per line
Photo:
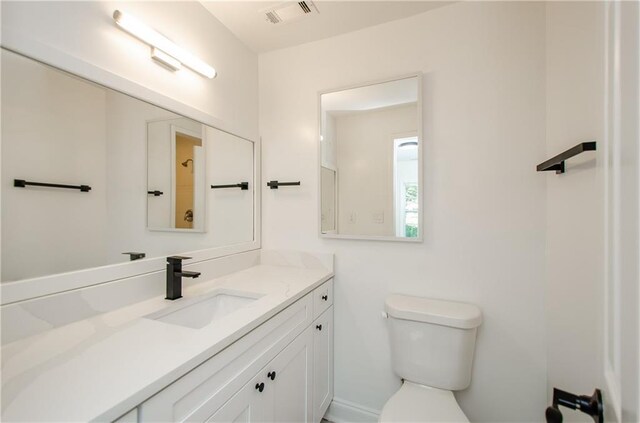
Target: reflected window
[405,175]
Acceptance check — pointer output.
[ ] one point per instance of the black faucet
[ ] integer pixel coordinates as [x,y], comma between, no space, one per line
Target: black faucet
[174,276]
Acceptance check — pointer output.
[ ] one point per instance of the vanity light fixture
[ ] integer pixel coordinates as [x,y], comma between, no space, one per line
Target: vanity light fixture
[163,50]
[165,60]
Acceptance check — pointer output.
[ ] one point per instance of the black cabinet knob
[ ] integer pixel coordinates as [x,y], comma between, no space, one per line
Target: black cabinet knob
[319,327]
[271,375]
[260,386]
[325,297]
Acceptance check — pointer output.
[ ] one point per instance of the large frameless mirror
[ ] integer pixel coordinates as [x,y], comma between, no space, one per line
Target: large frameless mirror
[371,161]
[93,177]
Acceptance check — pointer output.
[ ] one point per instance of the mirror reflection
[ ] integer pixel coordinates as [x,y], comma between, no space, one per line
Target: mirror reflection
[147,174]
[176,175]
[370,161]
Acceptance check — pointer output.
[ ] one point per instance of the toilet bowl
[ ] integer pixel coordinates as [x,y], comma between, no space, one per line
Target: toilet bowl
[432,348]
[418,403]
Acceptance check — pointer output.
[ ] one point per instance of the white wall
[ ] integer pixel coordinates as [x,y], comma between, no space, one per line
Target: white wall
[575,200]
[484,125]
[55,134]
[365,164]
[86,30]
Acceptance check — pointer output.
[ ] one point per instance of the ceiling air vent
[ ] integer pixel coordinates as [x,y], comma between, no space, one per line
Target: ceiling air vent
[289,11]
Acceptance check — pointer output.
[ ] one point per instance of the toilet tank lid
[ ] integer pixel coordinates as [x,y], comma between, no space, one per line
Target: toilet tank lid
[445,313]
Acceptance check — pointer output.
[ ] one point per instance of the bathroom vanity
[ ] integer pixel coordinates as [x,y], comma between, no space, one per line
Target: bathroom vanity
[87,332]
[254,345]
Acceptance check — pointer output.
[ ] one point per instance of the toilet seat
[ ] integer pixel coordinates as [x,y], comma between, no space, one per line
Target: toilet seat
[418,403]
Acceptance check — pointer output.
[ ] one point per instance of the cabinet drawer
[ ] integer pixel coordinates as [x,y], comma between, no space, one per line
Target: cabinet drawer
[322,298]
[196,395]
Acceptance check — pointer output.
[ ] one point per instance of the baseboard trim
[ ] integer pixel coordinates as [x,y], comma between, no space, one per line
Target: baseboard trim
[343,411]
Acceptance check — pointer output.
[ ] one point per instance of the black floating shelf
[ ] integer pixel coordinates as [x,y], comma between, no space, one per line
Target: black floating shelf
[21,183]
[276,184]
[557,163]
[242,185]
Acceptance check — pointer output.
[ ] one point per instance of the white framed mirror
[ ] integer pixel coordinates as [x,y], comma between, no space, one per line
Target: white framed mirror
[371,162]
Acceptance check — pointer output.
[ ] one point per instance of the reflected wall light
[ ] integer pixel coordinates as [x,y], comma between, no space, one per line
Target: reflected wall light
[163,50]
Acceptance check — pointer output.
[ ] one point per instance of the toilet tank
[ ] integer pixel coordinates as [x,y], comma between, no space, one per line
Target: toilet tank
[432,341]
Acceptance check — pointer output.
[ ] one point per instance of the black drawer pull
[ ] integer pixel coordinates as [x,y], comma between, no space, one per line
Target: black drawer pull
[325,297]
[319,327]
[260,386]
[271,375]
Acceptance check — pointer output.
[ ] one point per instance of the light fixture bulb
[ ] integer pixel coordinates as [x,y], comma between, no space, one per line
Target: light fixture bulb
[150,36]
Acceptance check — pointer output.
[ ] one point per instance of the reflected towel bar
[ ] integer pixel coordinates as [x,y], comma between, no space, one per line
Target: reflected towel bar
[557,163]
[276,184]
[242,185]
[21,183]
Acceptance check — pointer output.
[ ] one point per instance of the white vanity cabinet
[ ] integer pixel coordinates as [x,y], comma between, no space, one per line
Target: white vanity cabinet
[322,364]
[282,371]
[280,392]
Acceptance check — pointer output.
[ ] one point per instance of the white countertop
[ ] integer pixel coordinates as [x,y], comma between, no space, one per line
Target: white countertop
[100,368]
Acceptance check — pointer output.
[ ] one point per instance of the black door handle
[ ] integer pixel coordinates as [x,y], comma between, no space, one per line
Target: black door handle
[260,386]
[271,375]
[325,297]
[319,327]
[591,405]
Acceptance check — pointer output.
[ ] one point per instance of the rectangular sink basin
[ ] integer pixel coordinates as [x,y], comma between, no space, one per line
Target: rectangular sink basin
[198,312]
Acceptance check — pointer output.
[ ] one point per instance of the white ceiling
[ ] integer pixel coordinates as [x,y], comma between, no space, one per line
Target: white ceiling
[245,20]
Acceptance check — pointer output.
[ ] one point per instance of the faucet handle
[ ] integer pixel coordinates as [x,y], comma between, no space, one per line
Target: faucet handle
[134,255]
[174,259]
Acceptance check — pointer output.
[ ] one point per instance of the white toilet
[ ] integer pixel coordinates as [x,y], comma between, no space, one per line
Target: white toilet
[432,345]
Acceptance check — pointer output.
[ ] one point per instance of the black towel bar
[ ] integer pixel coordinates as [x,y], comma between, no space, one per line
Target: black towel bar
[276,184]
[242,185]
[21,183]
[557,163]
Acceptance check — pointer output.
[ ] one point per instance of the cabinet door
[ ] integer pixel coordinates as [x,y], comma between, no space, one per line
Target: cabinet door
[322,364]
[289,375]
[250,404]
